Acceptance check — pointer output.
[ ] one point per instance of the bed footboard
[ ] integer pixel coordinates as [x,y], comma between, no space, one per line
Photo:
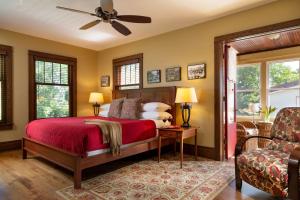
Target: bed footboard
[60,157]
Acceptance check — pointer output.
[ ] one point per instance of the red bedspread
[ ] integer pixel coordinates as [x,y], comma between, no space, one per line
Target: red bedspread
[72,134]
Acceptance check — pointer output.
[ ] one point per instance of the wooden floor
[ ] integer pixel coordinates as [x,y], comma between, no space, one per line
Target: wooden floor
[38,179]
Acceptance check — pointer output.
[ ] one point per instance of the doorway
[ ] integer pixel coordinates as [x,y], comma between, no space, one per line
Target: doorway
[225,77]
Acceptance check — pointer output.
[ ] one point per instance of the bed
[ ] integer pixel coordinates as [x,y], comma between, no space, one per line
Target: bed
[82,146]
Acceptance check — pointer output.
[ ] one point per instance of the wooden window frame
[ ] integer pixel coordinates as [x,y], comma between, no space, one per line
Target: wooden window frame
[71,62]
[126,61]
[7,122]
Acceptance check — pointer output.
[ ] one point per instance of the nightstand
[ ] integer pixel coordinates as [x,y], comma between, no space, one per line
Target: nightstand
[177,134]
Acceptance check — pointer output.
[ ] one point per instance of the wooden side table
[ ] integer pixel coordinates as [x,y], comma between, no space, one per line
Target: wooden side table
[177,134]
[264,129]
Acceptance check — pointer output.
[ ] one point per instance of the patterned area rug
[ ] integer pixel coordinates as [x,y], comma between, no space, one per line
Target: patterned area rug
[148,179]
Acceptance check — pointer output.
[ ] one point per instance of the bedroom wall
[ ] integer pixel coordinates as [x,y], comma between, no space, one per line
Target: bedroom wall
[195,45]
[86,70]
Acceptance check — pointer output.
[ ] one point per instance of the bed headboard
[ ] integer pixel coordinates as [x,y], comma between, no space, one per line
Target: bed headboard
[165,95]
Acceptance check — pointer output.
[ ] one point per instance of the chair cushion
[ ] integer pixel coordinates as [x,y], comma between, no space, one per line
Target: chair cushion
[287,125]
[265,169]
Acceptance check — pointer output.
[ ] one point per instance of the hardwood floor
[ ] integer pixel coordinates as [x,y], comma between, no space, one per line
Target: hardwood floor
[38,179]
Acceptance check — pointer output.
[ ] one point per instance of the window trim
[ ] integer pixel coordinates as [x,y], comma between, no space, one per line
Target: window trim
[7,124]
[72,62]
[126,61]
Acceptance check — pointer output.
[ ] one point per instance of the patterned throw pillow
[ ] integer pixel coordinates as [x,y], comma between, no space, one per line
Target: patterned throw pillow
[115,108]
[131,108]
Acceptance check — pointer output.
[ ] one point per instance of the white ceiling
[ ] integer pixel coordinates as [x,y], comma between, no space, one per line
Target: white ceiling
[41,18]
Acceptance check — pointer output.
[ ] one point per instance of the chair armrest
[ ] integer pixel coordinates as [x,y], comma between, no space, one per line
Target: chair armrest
[239,146]
[293,174]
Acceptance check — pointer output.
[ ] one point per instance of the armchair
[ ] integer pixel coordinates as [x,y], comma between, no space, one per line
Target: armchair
[275,168]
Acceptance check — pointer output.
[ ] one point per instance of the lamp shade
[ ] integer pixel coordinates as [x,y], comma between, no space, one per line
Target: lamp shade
[96,98]
[186,95]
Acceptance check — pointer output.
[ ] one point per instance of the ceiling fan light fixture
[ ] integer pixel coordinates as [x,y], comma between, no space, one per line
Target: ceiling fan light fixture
[96,36]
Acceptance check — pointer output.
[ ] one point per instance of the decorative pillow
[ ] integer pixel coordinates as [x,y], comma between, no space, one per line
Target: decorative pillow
[105,107]
[155,106]
[103,113]
[155,115]
[115,108]
[130,108]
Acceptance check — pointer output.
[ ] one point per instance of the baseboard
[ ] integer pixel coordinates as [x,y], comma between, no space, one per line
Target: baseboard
[207,152]
[10,145]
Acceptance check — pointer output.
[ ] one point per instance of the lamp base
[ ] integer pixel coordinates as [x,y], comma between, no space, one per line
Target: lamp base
[96,109]
[186,114]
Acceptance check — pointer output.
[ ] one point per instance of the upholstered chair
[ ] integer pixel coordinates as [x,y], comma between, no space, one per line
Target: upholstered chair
[244,130]
[275,168]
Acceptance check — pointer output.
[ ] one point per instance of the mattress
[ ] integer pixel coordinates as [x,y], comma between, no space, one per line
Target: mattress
[73,135]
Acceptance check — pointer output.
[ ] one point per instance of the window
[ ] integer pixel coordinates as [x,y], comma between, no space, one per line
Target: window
[52,88]
[128,72]
[5,87]
[283,84]
[248,88]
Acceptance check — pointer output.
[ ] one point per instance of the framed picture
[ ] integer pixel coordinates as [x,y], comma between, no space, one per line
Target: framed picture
[196,71]
[154,76]
[105,81]
[173,74]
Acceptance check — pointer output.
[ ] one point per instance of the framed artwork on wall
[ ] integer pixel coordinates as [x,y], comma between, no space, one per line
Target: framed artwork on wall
[197,71]
[173,74]
[105,81]
[154,76]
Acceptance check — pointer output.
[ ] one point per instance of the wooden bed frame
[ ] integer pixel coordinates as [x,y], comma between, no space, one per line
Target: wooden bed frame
[77,163]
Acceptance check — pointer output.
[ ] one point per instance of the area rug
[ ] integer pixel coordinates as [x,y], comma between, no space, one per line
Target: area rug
[150,180]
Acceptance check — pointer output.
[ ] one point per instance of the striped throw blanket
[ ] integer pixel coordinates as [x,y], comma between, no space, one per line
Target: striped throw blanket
[112,133]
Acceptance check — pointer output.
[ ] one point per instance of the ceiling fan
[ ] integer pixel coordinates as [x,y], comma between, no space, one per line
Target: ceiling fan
[108,14]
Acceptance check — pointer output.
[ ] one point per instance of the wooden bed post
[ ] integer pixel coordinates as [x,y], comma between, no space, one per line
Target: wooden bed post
[77,173]
[24,152]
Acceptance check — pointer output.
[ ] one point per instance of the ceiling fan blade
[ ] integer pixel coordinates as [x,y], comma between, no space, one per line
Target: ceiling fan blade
[134,18]
[107,5]
[121,28]
[91,24]
[74,10]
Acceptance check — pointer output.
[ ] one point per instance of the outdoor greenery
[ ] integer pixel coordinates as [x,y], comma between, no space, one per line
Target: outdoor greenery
[248,82]
[52,90]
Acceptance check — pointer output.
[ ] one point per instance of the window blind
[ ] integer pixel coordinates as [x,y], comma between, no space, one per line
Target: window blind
[2,94]
[127,72]
[6,53]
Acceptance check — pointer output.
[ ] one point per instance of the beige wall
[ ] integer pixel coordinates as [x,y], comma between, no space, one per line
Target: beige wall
[87,80]
[196,45]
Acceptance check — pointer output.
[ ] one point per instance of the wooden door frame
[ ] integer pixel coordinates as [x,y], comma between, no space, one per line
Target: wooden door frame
[219,44]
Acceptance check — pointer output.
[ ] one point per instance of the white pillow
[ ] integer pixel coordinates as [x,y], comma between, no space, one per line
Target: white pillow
[155,115]
[105,106]
[159,123]
[155,106]
[103,113]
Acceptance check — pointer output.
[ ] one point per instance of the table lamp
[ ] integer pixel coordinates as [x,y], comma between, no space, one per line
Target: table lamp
[186,96]
[96,99]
